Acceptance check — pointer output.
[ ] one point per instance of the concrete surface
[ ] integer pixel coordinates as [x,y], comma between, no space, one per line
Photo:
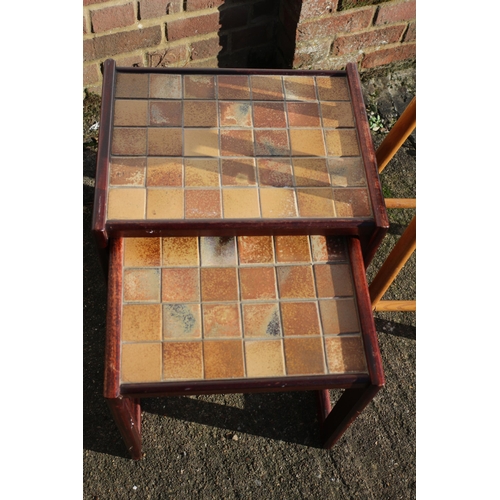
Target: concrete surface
[265,446]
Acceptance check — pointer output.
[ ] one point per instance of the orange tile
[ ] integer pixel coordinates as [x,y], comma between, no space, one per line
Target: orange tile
[299,88]
[300,318]
[165,113]
[218,251]
[343,142]
[199,87]
[337,114]
[127,171]
[241,203]
[237,142]
[339,316]
[267,88]
[333,280]
[311,172]
[328,248]
[257,283]
[304,356]
[131,85]
[141,285]
[271,143]
[315,202]
[223,359]
[142,252]
[165,204]
[203,204]
[278,203]
[221,321]
[303,114]
[165,141]
[200,114]
[233,87]
[219,284]
[332,88]
[345,355]
[261,320]
[269,115]
[182,361]
[201,172]
[235,114]
[126,203]
[307,142]
[164,172]
[240,172]
[165,86]
[129,113]
[128,141]
[264,358]
[277,173]
[347,171]
[141,362]
[181,321]
[180,284]
[352,202]
[201,142]
[141,322]
[180,251]
[255,249]
[292,248]
[295,282]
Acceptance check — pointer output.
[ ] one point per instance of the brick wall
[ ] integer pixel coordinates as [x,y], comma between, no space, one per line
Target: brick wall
[310,34]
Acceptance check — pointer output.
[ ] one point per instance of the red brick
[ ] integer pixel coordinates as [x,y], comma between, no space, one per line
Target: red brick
[389,55]
[91,74]
[234,17]
[249,37]
[149,9]
[309,53]
[168,57]
[344,44]
[92,2]
[350,21]
[112,17]
[120,43]
[393,13]
[317,8]
[84,26]
[210,63]
[205,48]
[199,25]
[192,5]
[130,61]
[411,33]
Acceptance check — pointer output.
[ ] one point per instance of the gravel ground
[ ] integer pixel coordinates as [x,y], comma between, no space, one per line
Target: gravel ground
[266,445]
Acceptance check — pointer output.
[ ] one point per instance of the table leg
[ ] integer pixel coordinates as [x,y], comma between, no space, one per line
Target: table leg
[127,415]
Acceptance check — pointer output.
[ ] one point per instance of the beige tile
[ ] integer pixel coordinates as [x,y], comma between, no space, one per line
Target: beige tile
[223,359]
[141,322]
[131,85]
[235,114]
[182,361]
[343,142]
[300,318]
[142,252]
[267,88]
[165,86]
[233,87]
[165,113]
[295,282]
[126,203]
[180,284]
[164,172]
[332,88]
[165,141]
[347,172]
[130,113]
[141,285]
[264,358]
[307,142]
[333,280]
[180,251]
[339,316]
[299,88]
[292,248]
[141,362]
[255,249]
[278,203]
[275,172]
[345,355]
[218,251]
[201,142]
[127,171]
[236,142]
[221,321]
[337,114]
[201,172]
[311,172]
[241,203]
[203,204]
[271,143]
[165,204]
[304,356]
[200,114]
[352,202]
[328,248]
[199,87]
[240,172]
[128,141]
[181,321]
[257,283]
[262,320]
[315,202]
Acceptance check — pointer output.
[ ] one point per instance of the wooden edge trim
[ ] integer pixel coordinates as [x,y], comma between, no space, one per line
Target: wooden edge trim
[401,202]
[367,152]
[372,351]
[113,321]
[377,237]
[396,305]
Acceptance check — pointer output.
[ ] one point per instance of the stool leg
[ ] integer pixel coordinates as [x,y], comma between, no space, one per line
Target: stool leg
[348,407]
[324,405]
[127,415]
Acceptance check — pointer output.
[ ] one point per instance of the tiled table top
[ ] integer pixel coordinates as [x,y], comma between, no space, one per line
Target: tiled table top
[214,308]
[211,146]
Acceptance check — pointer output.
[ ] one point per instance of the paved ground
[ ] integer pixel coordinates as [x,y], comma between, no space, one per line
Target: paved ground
[265,446]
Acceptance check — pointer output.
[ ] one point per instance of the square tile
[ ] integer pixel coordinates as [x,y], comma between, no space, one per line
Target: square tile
[347,172]
[295,282]
[237,142]
[126,171]
[307,142]
[275,172]
[339,316]
[128,141]
[311,172]
[303,114]
[218,251]
[332,88]
[221,321]
[165,204]
[278,203]
[165,113]
[141,285]
[235,114]
[266,88]
[255,249]
[304,356]
[126,203]
[201,172]
[223,359]
[130,113]
[333,280]
[164,172]
[141,322]
[238,172]
[180,251]
[261,320]
[337,114]
[352,202]
[181,321]
[345,355]
[315,202]
[180,284]
[328,248]
[299,88]
[292,248]
[203,204]
[131,85]
[165,141]
[269,114]
[165,86]
[343,142]
[142,252]
[219,284]
[271,143]
[233,87]
[257,283]
[300,318]
[201,142]
[182,361]
[200,114]
[264,358]
[241,203]
[141,362]
[199,87]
